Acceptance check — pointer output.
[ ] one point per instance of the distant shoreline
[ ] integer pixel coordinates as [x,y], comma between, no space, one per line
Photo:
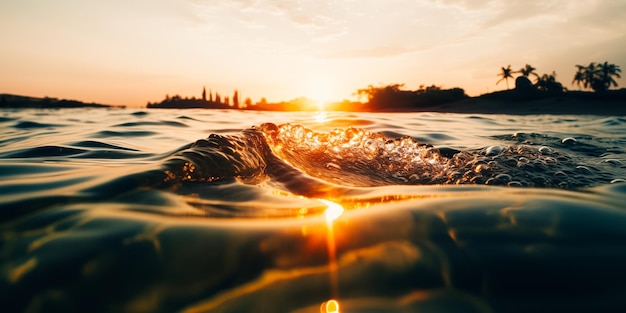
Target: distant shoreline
[566,103]
[10,101]
[611,103]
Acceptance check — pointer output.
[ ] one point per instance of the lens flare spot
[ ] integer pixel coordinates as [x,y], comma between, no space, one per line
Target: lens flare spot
[330,306]
[333,210]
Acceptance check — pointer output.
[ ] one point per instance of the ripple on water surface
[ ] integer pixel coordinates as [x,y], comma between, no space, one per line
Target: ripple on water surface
[236,222]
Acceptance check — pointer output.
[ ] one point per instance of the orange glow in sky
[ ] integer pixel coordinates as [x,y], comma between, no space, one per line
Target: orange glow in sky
[131,52]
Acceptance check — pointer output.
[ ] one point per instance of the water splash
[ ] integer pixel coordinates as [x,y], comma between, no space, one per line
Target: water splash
[303,160]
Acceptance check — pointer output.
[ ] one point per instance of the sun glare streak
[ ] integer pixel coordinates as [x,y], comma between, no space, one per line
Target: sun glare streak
[330,306]
[333,210]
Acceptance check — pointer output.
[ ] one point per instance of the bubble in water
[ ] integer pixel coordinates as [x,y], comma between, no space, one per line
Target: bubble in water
[569,141]
[514,184]
[550,160]
[545,150]
[560,174]
[333,166]
[523,161]
[493,150]
[613,162]
[504,177]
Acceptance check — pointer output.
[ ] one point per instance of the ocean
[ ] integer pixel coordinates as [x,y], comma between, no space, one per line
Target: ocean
[135,210]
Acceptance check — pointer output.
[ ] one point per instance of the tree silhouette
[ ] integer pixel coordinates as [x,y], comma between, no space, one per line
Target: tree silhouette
[528,70]
[248,102]
[548,83]
[590,76]
[599,77]
[506,74]
[236,99]
[579,76]
[606,72]
[218,99]
[372,92]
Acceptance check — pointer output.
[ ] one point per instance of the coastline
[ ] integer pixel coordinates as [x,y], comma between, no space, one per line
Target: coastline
[555,106]
[513,102]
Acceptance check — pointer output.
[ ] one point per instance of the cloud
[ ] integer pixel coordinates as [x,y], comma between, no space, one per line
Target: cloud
[504,11]
[375,52]
[603,14]
[467,4]
[519,10]
[595,13]
[314,16]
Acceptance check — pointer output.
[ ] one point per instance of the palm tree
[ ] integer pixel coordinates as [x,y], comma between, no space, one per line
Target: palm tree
[606,72]
[528,70]
[548,83]
[589,73]
[506,74]
[579,77]
[599,77]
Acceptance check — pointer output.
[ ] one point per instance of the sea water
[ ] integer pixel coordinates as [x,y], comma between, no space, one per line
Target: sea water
[121,210]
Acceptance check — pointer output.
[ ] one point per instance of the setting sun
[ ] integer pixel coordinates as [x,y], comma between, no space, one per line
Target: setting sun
[320,91]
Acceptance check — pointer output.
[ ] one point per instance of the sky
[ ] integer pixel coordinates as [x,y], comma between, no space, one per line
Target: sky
[130,52]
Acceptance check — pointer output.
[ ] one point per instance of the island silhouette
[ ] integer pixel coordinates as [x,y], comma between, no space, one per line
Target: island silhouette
[545,95]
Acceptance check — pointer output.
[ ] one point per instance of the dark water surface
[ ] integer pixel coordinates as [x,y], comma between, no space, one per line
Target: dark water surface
[228,211]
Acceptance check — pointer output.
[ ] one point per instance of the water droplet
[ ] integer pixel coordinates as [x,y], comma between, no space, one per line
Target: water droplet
[333,166]
[550,160]
[514,184]
[493,150]
[504,177]
[545,150]
[613,162]
[568,141]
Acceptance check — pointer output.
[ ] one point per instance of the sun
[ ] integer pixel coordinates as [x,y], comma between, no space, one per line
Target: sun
[320,90]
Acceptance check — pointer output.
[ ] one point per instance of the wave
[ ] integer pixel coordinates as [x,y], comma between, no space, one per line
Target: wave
[354,157]
[339,164]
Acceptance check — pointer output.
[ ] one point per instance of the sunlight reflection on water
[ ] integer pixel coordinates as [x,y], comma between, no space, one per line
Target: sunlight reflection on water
[330,306]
